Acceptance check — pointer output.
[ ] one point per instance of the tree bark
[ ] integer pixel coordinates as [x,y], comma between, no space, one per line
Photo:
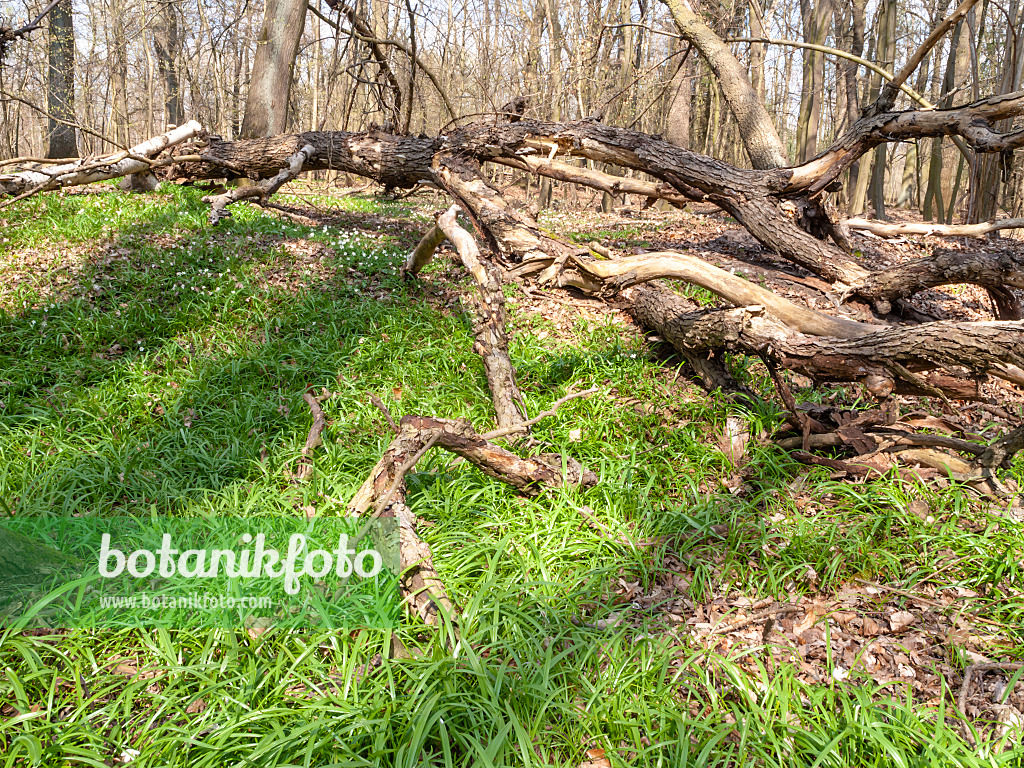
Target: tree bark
[60,83]
[490,323]
[167,45]
[760,138]
[266,107]
[817,21]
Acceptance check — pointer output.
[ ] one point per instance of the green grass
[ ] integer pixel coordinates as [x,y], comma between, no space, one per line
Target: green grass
[154,364]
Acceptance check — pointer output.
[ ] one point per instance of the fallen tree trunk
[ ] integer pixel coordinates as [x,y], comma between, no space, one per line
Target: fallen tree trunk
[990,270]
[764,201]
[887,229]
[906,355]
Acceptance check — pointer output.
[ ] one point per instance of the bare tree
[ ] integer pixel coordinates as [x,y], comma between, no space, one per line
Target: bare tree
[266,106]
[167,45]
[60,83]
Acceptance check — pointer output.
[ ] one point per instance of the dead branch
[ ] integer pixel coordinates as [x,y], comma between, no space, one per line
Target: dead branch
[8,36]
[259,192]
[886,229]
[424,251]
[489,323]
[990,270]
[86,171]
[624,272]
[384,490]
[965,686]
[315,437]
[984,347]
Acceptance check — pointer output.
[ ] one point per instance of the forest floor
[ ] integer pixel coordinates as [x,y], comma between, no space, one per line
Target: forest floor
[709,602]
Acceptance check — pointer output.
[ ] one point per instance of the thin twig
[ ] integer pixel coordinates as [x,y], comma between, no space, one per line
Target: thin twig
[530,422]
[384,409]
[768,613]
[965,687]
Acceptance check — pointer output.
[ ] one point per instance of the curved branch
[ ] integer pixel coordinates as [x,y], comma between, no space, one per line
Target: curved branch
[887,96]
[880,71]
[622,273]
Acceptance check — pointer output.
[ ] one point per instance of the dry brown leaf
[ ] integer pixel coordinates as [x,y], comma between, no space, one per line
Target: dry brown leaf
[806,622]
[199,705]
[870,627]
[901,620]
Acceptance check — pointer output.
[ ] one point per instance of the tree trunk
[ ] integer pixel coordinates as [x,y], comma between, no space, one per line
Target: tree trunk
[60,90]
[817,20]
[760,138]
[886,53]
[680,94]
[167,45]
[266,107]
[849,68]
[118,41]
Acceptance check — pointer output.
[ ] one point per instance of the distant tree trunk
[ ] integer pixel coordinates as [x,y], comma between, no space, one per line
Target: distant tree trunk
[60,92]
[680,89]
[886,55]
[986,175]
[167,45]
[118,41]
[933,195]
[555,63]
[759,135]
[817,21]
[857,12]
[757,50]
[266,108]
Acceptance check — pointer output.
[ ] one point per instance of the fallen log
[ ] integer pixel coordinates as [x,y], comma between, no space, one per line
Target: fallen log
[887,229]
[87,171]
[910,356]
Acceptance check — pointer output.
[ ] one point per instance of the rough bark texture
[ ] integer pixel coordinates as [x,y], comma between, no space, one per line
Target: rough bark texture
[757,131]
[261,191]
[266,107]
[60,83]
[166,44]
[489,323]
[880,359]
[992,270]
[384,492]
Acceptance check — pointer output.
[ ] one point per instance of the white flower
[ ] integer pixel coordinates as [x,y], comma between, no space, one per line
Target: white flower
[840,674]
